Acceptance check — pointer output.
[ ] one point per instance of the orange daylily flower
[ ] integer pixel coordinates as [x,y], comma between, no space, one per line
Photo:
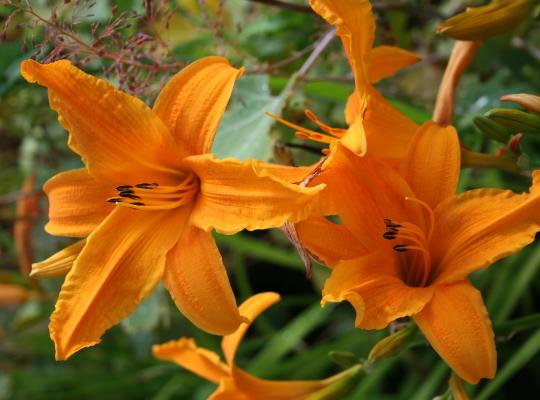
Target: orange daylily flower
[416,241]
[147,198]
[369,115]
[233,382]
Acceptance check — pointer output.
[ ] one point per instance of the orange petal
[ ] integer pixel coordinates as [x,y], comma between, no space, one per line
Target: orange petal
[59,264]
[284,172]
[234,195]
[185,353]
[432,164]
[364,191]
[372,284]
[385,61]
[388,132]
[457,325]
[479,227]
[197,280]
[193,101]
[117,135]
[250,309]
[77,203]
[120,265]
[253,387]
[355,137]
[355,25]
[329,242]
[227,390]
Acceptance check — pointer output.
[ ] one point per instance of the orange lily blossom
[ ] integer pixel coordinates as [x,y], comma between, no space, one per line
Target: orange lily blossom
[407,244]
[147,199]
[235,383]
[370,117]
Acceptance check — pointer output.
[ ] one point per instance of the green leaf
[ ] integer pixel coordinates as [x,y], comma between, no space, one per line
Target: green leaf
[147,316]
[245,129]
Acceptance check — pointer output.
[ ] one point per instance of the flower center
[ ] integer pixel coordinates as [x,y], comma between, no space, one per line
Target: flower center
[415,243]
[331,134]
[152,196]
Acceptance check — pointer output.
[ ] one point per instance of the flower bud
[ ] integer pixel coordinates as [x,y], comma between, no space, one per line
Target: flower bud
[393,344]
[481,23]
[516,120]
[492,129]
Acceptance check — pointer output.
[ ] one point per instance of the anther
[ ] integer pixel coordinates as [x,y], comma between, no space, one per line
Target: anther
[400,247]
[123,188]
[146,185]
[115,200]
[129,195]
[390,235]
[137,203]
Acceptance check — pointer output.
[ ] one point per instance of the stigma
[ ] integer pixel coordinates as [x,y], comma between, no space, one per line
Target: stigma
[153,196]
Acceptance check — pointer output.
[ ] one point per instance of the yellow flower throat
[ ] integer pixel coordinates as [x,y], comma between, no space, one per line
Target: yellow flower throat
[152,196]
[416,268]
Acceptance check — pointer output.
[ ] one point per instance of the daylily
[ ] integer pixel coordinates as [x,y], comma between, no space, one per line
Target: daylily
[369,115]
[233,382]
[147,198]
[408,243]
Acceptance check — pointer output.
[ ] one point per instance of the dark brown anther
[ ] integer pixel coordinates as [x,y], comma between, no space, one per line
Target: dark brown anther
[129,195]
[400,247]
[137,203]
[123,188]
[145,185]
[115,200]
[389,235]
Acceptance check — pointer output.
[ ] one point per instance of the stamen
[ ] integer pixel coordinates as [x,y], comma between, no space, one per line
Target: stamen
[152,196]
[400,247]
[337,132]
[430,213]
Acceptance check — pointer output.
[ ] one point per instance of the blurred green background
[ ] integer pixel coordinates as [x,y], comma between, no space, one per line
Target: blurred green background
[293,338]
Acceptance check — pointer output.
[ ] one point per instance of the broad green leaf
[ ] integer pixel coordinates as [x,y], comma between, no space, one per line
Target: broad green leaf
[147,316]
[245,129]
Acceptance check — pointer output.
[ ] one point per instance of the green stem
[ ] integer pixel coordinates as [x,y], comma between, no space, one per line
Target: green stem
[473,159]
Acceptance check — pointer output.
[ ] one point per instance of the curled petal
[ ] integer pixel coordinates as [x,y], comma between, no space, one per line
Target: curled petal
[235,195]
[250,309]
[59,264]
[193,101]
[185,353]
[385,61]
[197,280]
[373,285]
[117,135]
[77,203]
[457,325]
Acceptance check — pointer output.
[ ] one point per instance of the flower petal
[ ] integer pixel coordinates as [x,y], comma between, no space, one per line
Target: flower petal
[355,25]
[388,132]
[59,264]
[234,195]
[117,135]
[329,242]
[185,353]
[528,101]
[253,387]
[197,280]
[479,227]
[457,325]
[385,61]
[432,164]
[373,285]
[120,265]
[193,101]
[250,309]
[77,203]
[364,191]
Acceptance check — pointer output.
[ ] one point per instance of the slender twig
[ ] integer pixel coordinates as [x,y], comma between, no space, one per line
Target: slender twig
[272,67]
[321,45]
